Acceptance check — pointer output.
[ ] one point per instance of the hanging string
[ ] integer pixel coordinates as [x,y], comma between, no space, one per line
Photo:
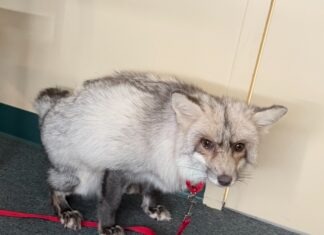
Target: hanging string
[255,71]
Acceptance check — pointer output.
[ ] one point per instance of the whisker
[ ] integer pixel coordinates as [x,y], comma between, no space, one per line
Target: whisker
[212,173]
[241,181]
[245,177]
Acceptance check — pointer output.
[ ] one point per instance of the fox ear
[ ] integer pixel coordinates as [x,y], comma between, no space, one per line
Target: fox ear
[265,117]
[185,107]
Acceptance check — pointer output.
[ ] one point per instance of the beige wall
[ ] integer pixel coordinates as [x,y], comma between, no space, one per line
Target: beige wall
[46,43]
[212,43]
[287,186]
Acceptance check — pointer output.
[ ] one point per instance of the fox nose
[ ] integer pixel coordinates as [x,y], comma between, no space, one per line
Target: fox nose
[224,180]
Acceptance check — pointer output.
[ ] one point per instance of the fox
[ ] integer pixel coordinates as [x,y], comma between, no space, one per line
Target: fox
[140,132]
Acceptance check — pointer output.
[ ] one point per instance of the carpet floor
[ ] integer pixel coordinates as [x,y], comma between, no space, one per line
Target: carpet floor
[23,187]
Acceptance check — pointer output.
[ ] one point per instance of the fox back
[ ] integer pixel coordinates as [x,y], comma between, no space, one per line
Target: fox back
[160,131]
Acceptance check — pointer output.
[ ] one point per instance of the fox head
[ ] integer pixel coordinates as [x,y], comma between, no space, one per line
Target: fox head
[218,136]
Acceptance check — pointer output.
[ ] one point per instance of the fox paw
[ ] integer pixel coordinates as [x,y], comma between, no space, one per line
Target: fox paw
[71,219]
[113,230]
[159,213]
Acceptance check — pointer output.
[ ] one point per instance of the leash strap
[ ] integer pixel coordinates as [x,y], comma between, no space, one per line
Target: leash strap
[183,225]
[90,224]
[193,189]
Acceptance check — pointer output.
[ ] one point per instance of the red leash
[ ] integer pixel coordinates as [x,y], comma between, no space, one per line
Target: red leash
[90,224]
[193,189]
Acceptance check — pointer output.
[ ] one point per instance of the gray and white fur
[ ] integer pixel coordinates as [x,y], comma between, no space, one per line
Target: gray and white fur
[138,132]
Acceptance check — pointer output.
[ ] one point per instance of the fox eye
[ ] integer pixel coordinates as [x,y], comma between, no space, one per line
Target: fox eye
[207,144]
[239,147]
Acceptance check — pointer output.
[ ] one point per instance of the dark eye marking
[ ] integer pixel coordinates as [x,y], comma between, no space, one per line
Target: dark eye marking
[207,144]
[238,147]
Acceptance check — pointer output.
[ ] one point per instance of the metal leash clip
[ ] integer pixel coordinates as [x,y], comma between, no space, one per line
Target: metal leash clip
[193,189]
[192,201]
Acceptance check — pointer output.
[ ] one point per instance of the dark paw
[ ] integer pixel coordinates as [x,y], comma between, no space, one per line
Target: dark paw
[71,219]
[113,230]
[159,213]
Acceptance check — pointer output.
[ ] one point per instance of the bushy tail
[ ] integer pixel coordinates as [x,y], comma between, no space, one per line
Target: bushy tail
[47,98]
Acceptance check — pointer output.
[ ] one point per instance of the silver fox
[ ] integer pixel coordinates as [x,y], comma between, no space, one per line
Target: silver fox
[138,132]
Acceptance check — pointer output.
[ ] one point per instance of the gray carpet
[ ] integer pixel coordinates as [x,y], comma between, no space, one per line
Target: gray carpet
[23,187]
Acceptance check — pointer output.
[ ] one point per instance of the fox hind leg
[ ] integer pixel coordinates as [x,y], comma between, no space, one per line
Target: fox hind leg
[69,218]
[63,183]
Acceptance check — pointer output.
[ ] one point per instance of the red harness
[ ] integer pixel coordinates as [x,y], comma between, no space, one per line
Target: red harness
[193,189]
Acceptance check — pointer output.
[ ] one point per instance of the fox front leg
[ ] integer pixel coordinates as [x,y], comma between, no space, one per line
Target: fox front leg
[150,204]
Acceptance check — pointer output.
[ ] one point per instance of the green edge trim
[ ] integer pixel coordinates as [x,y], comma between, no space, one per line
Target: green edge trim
[20,123]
